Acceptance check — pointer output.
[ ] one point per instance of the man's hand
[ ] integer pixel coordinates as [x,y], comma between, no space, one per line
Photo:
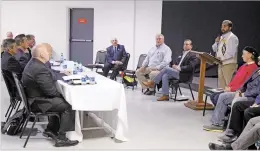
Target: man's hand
[254,105]
[238,94]
[217,39]
[176,67]
[142,69]
[227,89]
[119,62]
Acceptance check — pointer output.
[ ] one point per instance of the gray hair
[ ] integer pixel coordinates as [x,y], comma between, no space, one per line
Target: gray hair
[30,37]
[227,22]
[8,44]
[188,41]
[160,36]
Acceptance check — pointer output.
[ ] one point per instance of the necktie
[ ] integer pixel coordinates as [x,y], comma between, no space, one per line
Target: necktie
[114,52]
[224,47]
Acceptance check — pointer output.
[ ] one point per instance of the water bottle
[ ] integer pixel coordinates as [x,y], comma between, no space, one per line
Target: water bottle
[61,58]
[80,68]
[75,71]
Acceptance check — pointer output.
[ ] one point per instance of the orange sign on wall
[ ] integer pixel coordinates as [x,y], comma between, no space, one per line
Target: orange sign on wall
[82,20]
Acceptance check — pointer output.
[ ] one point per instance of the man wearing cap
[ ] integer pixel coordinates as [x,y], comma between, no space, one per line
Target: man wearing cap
[116,57]
[249,56]
[248,92]
[226,46]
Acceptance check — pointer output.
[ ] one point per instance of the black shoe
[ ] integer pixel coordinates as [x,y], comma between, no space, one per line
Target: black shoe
[213,146]
[149,93]
[65,142]
[147,90]
[48,133]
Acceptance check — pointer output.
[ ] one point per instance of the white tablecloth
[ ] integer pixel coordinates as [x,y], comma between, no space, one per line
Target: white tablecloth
[106,95]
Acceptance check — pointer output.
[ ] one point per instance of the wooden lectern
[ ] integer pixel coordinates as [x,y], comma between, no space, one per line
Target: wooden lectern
[204,58]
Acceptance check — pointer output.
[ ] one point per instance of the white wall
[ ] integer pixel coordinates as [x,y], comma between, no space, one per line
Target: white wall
[134,23]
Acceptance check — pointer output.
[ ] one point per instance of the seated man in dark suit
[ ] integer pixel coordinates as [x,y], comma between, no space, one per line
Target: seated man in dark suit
[44,97]
[31,43]
[183,67]
[22,54]
[8,61]
[116,57]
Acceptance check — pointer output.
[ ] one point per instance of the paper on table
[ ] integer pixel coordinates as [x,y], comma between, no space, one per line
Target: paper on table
[72,77]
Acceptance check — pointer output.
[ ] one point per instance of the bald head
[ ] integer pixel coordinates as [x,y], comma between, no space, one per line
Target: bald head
[42,52]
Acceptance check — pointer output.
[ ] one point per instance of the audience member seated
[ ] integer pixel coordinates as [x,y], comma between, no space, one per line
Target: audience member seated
[31,43]
[44,97]
[9,35]
[8,61]
[184,66]
[247,139]
[22,54]
[116,57]
[157,58]
[249,91]
[243,73]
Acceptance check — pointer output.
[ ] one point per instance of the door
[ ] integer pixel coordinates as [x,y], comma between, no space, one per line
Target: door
[81,35]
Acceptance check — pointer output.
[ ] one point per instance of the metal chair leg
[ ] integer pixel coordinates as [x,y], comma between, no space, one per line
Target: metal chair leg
[18,106]
[10,113]
[8,110]
[30,133]
[24,126]
[191,92]
[175,97]
[205,105]
[180,90]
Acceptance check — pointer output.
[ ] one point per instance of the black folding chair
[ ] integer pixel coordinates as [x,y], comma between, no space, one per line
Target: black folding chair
[175,85]
[30,113]
[131,73]
[100,60]
[15,100]
[125,64]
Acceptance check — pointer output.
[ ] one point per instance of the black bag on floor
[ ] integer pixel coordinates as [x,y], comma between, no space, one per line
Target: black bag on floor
[129,81]
[14,124]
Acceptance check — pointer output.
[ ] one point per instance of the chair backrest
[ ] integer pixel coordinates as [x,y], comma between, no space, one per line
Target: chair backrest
[21,92]
[101,57]
[126,61]
[141,60]
[9,82]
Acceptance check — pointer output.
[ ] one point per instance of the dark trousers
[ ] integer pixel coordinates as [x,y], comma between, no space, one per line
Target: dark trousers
[237,121]
[67,115]
[109,66]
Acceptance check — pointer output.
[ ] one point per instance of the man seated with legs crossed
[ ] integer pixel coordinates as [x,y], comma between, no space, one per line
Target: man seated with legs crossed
[251,89]
[157,58]
[43,96]
[183,67]
[247,139]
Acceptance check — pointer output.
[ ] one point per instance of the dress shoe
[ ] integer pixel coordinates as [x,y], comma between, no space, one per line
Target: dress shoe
[48,133]
[149,84]
[230,140]
[163,98]
[65,142]
[147,90]
[149,93]
[213,146]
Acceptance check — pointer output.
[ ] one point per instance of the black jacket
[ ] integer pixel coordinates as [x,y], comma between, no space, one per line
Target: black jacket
[9,63]
[39,84]
[187,66]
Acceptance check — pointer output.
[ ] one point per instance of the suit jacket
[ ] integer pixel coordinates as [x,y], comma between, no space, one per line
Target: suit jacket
[119,56]
[187,66]
[22,57]
[9,63]
[251,88]
[39,84]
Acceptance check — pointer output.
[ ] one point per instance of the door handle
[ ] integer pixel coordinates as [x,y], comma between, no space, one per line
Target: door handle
[81,40]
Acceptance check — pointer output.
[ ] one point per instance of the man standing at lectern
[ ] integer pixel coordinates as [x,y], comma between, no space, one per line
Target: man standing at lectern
[225,46]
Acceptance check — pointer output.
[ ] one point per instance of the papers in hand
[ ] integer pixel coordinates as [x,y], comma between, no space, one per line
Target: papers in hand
[216,90]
